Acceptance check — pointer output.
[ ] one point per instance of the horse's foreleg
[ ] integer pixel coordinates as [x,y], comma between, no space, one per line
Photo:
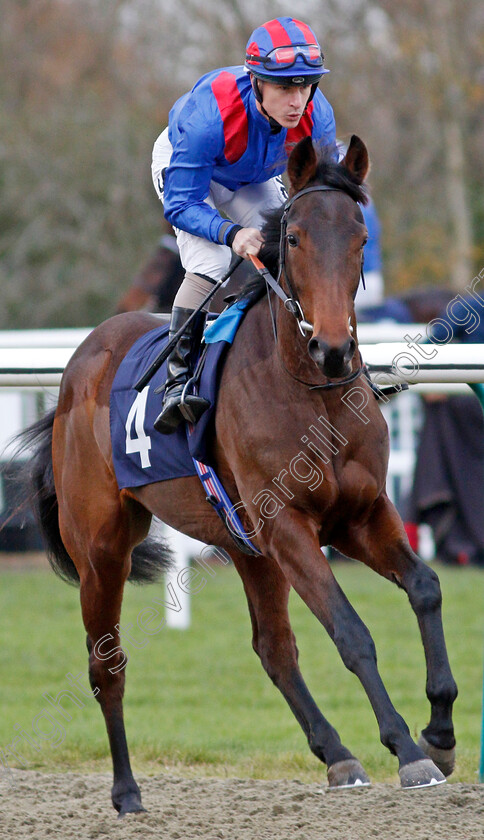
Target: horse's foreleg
[383,545]
[267,592]
[294,543]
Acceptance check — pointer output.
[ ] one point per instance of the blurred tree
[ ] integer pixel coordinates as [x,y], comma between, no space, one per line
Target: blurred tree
[78,120]
[435,37]
[414,83]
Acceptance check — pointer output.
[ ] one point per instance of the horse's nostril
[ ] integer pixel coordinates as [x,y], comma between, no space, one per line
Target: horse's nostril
[351,349]
[333,360]
[313,346]
[320,351]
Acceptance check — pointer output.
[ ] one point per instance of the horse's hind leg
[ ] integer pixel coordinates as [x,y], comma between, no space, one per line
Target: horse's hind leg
[383,545]
[102,558]
[267,592]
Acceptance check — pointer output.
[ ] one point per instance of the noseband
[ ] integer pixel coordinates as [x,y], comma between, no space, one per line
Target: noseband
[291,302]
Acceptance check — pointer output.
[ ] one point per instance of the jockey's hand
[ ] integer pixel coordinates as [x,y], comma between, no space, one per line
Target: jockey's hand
[247,241]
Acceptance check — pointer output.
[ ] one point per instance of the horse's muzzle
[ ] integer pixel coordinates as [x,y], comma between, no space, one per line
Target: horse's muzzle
[334,362]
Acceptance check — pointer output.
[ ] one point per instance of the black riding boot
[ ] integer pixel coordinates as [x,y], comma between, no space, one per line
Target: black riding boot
[179,371]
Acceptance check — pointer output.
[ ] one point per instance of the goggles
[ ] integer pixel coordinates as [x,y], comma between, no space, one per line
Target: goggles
[282,57]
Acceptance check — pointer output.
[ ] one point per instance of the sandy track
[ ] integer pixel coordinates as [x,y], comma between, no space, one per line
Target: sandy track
[40,806]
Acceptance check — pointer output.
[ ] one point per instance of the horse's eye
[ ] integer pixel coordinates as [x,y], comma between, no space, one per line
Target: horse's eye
[364,242]
[292,240]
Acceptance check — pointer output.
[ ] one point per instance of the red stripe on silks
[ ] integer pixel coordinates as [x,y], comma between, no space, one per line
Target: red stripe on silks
[303,129]
[304,28]
[279,36]
[253,49]
[234,117]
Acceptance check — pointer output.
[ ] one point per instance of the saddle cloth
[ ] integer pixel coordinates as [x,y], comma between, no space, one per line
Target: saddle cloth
[142,455]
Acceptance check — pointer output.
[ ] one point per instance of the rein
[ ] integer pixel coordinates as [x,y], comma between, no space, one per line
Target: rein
[291,302]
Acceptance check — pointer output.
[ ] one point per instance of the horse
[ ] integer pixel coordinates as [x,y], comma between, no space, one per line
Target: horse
[155,285]
[289,372]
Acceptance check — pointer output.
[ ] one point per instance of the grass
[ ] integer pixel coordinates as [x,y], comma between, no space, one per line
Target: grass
[197,701]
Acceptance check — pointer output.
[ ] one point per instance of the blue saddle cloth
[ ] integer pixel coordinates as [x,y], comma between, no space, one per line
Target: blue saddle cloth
[142,455]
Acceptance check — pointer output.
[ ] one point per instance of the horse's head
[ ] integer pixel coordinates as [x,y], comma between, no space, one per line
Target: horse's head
[324,234]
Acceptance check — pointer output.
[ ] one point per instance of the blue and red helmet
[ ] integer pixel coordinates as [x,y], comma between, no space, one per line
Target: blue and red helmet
[285,51]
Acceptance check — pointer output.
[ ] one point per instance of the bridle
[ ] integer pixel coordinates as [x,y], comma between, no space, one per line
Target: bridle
[291,302]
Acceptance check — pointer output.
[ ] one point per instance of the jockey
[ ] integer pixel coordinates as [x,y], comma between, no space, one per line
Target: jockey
[217,169]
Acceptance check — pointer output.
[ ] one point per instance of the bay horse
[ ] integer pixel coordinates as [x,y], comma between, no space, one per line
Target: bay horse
[290,367]
[156,284]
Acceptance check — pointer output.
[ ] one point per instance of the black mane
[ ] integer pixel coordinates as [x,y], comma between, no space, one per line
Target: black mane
[330,174]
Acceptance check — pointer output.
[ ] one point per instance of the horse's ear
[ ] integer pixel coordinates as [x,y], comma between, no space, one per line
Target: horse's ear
[302,164]
[356,159]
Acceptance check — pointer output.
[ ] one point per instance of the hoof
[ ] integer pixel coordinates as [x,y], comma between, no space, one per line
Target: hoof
[444,759]
[130,803]
[347,774]
[419,774]
[131,808]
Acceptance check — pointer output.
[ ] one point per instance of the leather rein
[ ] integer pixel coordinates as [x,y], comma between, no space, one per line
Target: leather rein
[291,302]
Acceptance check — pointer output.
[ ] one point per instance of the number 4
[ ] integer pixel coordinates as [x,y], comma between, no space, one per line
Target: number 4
[142,442]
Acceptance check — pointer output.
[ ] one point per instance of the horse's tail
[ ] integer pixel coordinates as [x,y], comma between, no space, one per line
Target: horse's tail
[149,560]
[38,493]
